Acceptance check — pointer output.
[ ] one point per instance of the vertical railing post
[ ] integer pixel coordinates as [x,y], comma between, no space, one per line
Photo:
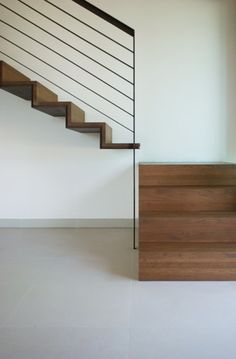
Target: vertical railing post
[134,141]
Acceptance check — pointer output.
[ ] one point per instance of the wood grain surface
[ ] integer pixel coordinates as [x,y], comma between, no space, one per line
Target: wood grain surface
[187,222]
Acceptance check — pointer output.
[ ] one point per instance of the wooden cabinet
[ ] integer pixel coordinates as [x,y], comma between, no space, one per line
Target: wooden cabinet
[187,216]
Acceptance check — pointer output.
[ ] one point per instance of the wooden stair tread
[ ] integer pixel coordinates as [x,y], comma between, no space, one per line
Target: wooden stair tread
[46,101]
[92,125]
[122,146]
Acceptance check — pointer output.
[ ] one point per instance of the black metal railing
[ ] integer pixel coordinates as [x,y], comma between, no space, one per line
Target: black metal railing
[130,65]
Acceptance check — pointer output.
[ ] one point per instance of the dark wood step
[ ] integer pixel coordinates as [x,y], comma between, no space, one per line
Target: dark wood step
[10,74]
[186,227]
[211,174]
[44,100]
[19,89]
[189,262]
[88,127]
[29,90]
[125,146]
[94,127]
[188,198]
[69,110]
[188,246]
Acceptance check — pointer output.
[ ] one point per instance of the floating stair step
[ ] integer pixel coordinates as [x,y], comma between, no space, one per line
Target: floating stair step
[19,89]
[56,109]
[85,129]
[88,127]
[29,90]
[124,146]
[106,137]
[10,74]
[44,100]
[42,94]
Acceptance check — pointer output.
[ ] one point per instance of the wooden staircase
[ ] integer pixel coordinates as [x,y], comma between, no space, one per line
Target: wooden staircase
[187,222]
[45,100]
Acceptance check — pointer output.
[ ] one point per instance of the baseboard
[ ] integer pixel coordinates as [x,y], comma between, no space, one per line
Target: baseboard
[66,223]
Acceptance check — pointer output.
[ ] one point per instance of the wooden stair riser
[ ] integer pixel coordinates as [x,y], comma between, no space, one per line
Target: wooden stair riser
[42,94]
[201,228]
[187,175]
[10,74]
[106,136]
[192,271]
[187,198]
[75,114]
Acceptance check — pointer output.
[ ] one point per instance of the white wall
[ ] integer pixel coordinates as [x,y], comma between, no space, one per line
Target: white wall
[50,172]
[231,81]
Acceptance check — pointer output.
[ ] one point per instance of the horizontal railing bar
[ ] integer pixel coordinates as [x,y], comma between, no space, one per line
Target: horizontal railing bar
[75,34]
[89,26]
[64,57]
[105,16]
[68,76]
[64,42]
[68,92]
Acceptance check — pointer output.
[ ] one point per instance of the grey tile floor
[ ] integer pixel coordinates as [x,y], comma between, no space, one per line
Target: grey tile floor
[74,294]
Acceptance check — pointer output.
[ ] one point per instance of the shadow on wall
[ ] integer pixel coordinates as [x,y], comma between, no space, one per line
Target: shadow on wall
[231,80]
[27,125]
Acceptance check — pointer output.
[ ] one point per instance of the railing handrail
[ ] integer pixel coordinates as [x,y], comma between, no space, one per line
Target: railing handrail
[67,44]
[75,34]
[105,16]
[88,25]
[67,59]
